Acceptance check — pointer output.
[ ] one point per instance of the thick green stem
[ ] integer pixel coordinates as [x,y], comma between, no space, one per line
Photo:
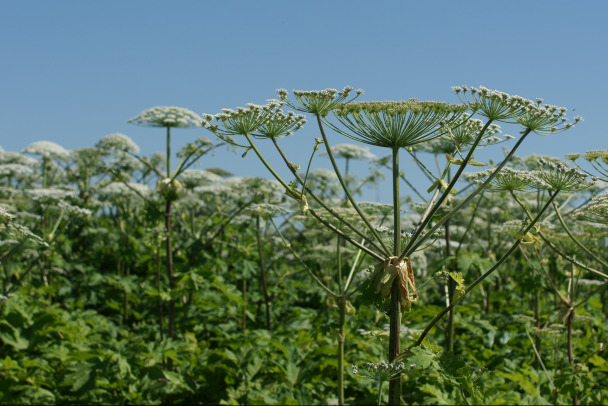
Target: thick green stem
[169,254]
[263,273]
[160,299]
[168,152]
[394,394]
[341,340]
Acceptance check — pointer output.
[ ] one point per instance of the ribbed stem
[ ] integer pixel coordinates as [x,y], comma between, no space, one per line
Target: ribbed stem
[394,387]
[341,340]
[169,254]
[168,152]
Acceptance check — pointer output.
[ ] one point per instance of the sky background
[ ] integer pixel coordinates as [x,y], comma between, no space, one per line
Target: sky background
[74,71]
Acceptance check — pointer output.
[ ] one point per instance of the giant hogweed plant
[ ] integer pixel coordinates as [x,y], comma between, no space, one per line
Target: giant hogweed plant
[396,126]
[169,186]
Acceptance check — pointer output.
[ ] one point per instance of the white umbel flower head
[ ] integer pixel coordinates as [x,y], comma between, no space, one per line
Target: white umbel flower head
[192,178]
[15,169]
[50,194]
[596,210]
[351,151]
[558,177]
[267,121]
[597,155]
[508,179]
[167,116]
[47,149]
[319,102]
[118,142]
[17,158]
[267,210]
[119,189]
[496,105]
[5,216]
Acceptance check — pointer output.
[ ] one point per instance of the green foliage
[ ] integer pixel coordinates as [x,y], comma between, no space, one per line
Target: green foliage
[84,299]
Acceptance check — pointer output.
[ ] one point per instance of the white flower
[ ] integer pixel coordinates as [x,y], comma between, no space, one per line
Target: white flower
[118,141]
[17,158]
[167,116]
[351,151]
[46,149]
[596,210]
[50,194]
[508,179]
[5,216]
[14,169]
[75,210]
[192,178]
[117,189]
[319,102]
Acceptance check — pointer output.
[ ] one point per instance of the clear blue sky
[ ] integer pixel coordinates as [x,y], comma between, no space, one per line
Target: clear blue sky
[74,71]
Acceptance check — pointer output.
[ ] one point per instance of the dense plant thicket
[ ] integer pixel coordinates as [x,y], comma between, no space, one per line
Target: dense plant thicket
[130,280]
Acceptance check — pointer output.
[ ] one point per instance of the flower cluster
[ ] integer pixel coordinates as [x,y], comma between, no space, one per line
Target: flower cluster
[167,116]
[462,132]
[192,178]
[319,102]
[351,151]
[17,158]
[596,210]
[533,115]
[119,189]
[324,180]
[268,121]
[118,142]
[598,160]
[558,177]
[382,371]
[14,169]
[396,124]
[46,149]
[48,195]
[592,156]
[267,210]
[508,179]
[375,208]
[5,216]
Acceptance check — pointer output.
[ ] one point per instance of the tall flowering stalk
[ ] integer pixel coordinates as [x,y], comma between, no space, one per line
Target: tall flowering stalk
[169,187]
[393,125]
